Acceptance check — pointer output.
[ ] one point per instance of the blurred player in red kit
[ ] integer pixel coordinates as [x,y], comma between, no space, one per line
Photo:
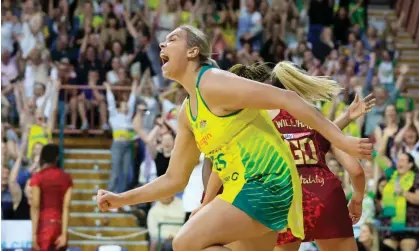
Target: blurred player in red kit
[51,195]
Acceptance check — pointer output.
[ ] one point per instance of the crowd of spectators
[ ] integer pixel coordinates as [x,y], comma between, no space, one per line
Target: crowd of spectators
[101,60]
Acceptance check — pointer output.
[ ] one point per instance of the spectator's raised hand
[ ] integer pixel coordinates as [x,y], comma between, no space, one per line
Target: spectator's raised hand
[21,152]
[87,29]
[107,86]
[159,121]
[134,85]
[404,69]
[57,84]
[360,107]
[415,118]
[409,118]
[373,59]
[126,15]
[390,131]
[35,163]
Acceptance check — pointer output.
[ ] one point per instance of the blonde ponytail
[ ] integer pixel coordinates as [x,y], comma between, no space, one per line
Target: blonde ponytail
[212,62]
[310,88]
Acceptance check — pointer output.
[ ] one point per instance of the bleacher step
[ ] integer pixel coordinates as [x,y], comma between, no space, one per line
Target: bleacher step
[84,194]
[84,206]
[91,154]
[409,45]
[97,142]
[86,151]
[92,184]
[89,173]
[86,161]
[94,164]
[103,219]
[90,170]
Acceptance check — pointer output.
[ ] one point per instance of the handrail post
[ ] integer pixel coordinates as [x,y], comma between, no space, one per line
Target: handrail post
[159,227]
[61,117]
[159,234]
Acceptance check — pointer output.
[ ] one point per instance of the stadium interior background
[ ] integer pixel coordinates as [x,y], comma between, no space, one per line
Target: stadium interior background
[86,75]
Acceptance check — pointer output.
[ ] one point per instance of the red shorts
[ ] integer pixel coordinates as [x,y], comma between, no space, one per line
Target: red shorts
[324,218]
[48,232]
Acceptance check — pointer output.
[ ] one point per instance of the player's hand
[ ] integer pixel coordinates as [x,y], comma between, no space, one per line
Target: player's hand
[360,148]
[61,241]
[107,200]
[355,210]
[360,107]
[35,245]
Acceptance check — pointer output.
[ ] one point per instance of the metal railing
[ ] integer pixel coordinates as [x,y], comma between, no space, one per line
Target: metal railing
[160,225]
[69,91]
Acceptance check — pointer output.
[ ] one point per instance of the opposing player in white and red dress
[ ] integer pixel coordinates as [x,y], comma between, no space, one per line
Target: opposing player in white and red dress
[327,217]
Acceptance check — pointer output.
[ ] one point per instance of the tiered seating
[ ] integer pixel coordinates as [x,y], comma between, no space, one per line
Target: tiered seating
[88,162]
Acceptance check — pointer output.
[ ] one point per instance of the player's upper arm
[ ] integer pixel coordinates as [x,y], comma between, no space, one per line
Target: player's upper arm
[206,171]
[185,152]
[230,92]
[35,180]
[69,181]
[36,196]
[67,197]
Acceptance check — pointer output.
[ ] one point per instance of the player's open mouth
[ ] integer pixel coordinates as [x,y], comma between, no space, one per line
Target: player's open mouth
[164,58]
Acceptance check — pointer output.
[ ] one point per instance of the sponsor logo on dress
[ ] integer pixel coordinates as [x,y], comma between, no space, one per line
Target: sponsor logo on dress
[310,179]
[202,124]
[289,136]
[203,141]
[290,123]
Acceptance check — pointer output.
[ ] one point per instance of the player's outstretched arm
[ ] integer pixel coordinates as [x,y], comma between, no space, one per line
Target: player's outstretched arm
[242,93]
[357,176]
[212,188]
[356,109]
[183,160]
[206,172]
[355,171]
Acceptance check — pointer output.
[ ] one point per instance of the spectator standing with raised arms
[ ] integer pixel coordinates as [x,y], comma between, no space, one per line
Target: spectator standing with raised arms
[21,192]
[120,120]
